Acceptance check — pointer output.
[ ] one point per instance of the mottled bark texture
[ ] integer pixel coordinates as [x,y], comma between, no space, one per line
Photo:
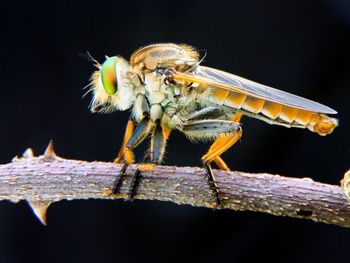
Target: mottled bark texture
[46,179]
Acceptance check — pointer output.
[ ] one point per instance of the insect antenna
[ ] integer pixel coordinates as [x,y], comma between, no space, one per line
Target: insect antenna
[88,56]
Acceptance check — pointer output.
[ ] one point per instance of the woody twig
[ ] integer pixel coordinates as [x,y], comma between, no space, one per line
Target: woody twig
[48,178]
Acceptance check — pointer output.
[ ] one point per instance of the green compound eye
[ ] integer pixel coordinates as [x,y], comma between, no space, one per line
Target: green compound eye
[109,75]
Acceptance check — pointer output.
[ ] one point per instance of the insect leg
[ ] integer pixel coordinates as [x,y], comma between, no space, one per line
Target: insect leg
[222,143]
[157,144]
[206,113]
[221,164]
[208,129]
[218,160]
[140,133]
[123,152]
[154,154]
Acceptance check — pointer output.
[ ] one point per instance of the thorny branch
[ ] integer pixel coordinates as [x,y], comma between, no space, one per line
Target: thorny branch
[46,179]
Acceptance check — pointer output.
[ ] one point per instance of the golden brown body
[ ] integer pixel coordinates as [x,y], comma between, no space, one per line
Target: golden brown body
[264,108]
[153,57]
[274,113]
[167,89]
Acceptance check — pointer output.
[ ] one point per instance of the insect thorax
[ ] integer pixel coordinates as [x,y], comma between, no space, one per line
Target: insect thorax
[168,103]
[152,57]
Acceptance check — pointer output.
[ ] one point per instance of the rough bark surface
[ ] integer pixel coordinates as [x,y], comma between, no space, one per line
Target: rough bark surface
[46,179]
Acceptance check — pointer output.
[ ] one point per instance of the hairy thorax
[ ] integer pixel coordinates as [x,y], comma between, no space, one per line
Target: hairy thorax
[171,103]
[168,103]
[153,57]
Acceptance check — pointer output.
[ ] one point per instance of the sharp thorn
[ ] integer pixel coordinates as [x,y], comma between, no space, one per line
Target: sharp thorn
[40,208]
[49,152]
[28,153]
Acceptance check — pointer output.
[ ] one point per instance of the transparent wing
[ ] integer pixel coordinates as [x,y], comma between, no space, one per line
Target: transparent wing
[219,79]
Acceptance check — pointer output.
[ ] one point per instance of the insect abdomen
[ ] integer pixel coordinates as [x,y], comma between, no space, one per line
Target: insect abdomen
[274,113]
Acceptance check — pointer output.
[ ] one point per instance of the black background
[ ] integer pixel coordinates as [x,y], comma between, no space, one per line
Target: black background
[299,46]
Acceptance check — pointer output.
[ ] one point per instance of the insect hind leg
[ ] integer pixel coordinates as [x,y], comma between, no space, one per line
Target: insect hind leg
[222,143]
[221,164]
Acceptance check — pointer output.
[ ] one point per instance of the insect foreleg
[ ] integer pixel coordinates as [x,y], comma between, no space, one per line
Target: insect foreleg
[154,155]
[158,143]
[140,133]
[156,150]
[123,152]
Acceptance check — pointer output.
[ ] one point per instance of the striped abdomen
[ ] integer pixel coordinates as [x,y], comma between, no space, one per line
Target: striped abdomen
[274,113]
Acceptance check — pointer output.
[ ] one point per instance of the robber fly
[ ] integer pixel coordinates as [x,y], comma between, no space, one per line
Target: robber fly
[167,88]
